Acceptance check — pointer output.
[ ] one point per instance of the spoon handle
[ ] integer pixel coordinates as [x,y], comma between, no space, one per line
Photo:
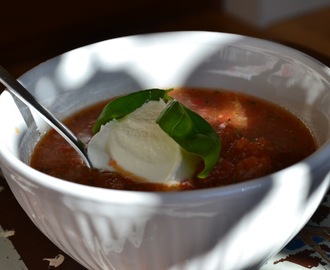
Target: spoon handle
[24,95]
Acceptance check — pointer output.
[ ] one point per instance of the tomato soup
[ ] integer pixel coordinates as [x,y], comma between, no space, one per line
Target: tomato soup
[258,138]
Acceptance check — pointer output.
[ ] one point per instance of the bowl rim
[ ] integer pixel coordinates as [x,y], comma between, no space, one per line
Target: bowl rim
[262,43]
[61,186]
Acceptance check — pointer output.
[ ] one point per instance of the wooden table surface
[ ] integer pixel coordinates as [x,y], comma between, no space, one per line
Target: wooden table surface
[29,39]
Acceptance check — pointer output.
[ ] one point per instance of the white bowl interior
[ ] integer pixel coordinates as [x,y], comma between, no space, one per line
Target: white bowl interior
[232,62]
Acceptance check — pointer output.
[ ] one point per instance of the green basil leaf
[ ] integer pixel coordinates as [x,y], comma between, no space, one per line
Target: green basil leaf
[124,105]
[192,132]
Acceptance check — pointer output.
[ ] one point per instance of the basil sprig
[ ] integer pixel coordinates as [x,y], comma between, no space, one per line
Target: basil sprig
[192,132]
[124,105]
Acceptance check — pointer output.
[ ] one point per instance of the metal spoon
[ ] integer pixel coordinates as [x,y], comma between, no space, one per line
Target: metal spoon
[25,96]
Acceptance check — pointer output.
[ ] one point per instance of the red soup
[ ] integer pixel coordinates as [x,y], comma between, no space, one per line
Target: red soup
[258,138]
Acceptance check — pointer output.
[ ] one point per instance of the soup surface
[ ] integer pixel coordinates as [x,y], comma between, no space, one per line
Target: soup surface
[258,138]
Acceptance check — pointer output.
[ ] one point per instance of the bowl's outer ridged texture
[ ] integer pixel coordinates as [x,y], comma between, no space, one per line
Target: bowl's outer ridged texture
[231,228]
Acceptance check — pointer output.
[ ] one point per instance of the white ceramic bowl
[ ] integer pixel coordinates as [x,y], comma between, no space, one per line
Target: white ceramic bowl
[228,228]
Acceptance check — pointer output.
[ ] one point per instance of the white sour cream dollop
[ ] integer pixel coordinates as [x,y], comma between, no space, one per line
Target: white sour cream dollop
[136,146]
